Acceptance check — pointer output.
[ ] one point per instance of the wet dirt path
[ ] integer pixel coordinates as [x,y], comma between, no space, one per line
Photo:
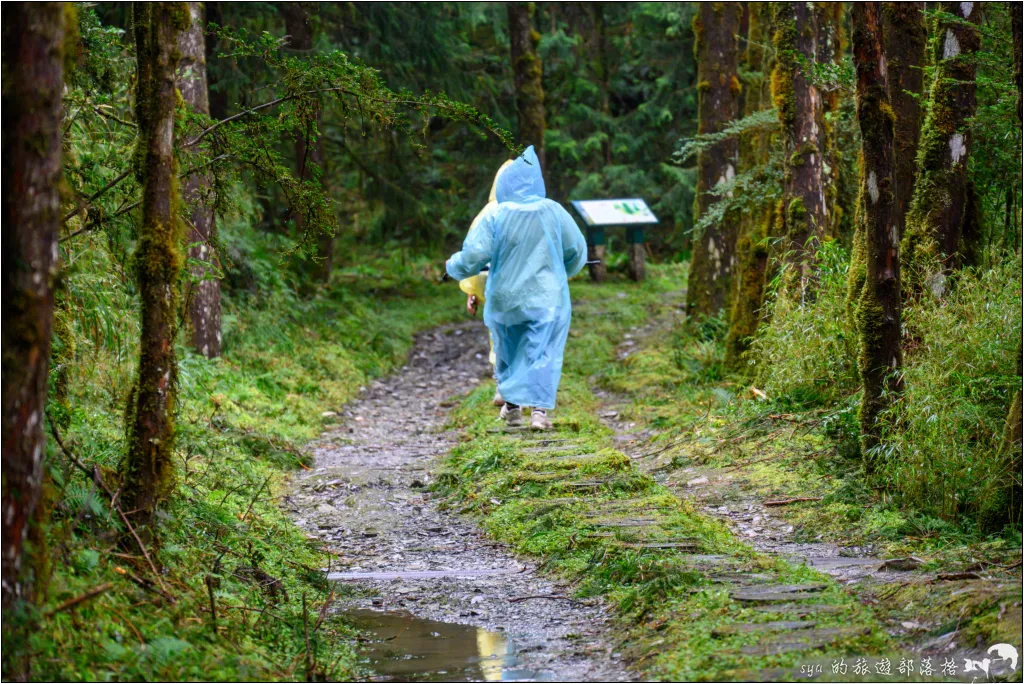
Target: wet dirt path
[414,574]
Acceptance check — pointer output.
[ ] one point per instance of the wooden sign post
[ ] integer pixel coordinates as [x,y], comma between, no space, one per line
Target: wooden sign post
[632,214]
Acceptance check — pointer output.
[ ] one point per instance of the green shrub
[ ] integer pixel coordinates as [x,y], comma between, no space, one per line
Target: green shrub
[806,355]
[941,453]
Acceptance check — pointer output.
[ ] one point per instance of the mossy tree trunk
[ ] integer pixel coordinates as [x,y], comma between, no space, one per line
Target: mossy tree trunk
[204,295]
[716,27]
[905,40]
[527,73]
[33,67]
[752,245]
[829,50]
[309,150]
[937,213]
[147,471]
[878,311]
[802,214]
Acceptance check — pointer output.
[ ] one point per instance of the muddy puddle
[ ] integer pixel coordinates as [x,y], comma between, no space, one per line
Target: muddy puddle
[399,647]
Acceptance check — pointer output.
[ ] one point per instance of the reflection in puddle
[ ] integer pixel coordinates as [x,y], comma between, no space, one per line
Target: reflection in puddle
[409,649]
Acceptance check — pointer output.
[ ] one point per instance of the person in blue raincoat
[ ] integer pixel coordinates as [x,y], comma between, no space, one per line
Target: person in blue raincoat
[534,247]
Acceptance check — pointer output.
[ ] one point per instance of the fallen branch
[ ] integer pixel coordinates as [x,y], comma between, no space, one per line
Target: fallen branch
[323,611]
[786,502]
[213,603]
[71,603]
[143,583]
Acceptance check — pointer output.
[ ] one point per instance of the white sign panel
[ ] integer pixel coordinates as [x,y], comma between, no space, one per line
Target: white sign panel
[614,212]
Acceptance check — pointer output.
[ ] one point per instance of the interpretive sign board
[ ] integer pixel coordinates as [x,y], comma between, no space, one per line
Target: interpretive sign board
[615,212]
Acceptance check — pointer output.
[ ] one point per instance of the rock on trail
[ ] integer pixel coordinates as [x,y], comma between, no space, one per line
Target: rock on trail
[367,499]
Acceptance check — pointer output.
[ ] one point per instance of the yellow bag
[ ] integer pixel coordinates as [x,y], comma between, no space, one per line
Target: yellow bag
[475,286]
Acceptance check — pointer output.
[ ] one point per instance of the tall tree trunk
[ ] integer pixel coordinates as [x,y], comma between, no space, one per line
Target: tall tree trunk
[527,72]
[752,244]
[905,38]
[204,299]
[715,29]
[937,211]
[33,64]
[310,148]
[147,471]
[878,312]
[802,216]
[829,50]
[218,93]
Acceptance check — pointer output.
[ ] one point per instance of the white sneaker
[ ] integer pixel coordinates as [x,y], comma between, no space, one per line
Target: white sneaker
[498,399]
[512,417]
[539,420]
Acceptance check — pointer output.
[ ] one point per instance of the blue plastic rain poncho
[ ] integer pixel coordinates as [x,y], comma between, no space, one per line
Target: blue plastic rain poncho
[534,247]
[476,285]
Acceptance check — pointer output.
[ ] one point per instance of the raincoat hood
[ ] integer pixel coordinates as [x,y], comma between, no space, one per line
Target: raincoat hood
[522,182]
[493,197]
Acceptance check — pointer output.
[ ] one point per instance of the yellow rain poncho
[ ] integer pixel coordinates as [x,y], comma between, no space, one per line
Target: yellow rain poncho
[477,285]
[533,247]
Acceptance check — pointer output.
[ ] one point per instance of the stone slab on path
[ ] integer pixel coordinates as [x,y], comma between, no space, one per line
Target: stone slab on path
[803,640]
[762,627]
[769,593]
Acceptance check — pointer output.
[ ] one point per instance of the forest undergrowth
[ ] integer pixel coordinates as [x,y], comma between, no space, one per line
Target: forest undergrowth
[234,590]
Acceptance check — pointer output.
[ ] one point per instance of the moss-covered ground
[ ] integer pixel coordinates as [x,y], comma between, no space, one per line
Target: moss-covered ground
[653,552]
[242,421]
[667,569]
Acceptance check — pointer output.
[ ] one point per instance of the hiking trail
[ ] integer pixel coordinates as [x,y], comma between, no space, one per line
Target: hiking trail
[443,600]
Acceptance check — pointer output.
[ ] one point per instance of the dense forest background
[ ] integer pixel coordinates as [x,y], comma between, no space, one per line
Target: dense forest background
[222,219]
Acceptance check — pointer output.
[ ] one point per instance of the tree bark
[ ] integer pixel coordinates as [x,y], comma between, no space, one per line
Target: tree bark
[218,93]
[527,72]
[905,39]
[937,213]
[33,66]
[715,29]
[829,20]
[147,471]
[878,312]
[752,245]
[204,298]
[309,150]
[802,216]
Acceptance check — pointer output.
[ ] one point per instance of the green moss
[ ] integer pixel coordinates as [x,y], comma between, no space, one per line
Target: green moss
[784,42]
[746,313]
[870,322]
[796,214]
[735,87]
[72,38]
